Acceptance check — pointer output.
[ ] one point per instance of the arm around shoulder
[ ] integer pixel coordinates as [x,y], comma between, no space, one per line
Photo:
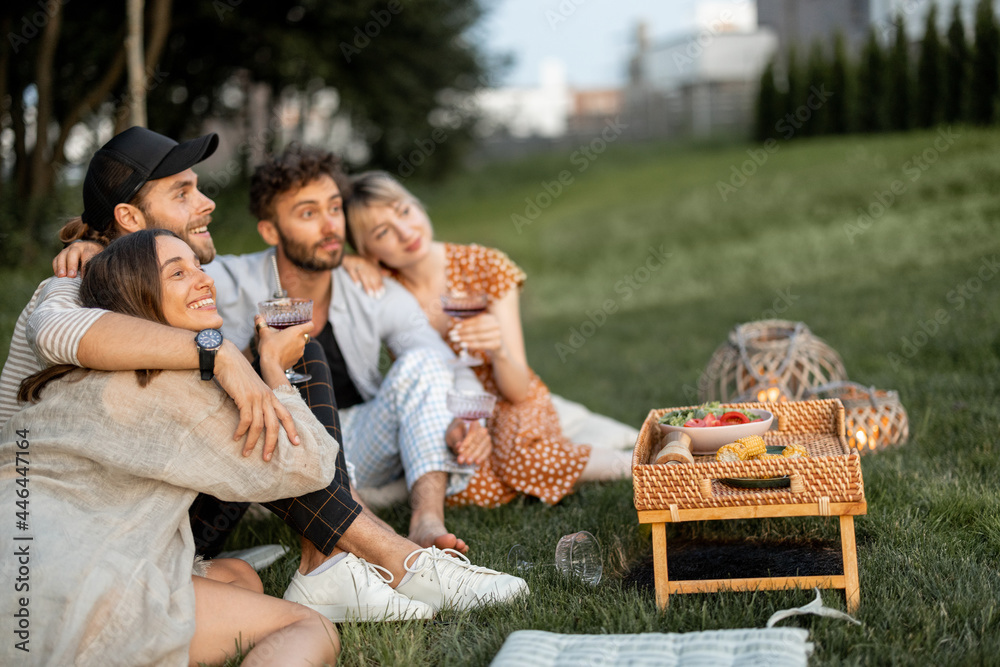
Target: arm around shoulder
[211,464]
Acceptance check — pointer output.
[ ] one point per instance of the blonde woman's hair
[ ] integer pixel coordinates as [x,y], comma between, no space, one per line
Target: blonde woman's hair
[368,189]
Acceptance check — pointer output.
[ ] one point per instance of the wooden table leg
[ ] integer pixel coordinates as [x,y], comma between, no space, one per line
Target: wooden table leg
[660,577]
[849,549]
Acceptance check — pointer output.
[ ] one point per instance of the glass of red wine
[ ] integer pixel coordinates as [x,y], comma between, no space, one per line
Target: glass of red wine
[463,305]
[284,313]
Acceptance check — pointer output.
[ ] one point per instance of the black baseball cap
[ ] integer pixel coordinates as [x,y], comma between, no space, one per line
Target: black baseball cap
[128,161]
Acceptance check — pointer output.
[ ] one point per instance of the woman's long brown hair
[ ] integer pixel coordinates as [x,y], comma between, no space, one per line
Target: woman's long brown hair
[123,278]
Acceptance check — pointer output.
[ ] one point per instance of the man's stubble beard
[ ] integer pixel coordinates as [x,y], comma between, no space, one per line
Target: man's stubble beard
[203,250]
[300,256]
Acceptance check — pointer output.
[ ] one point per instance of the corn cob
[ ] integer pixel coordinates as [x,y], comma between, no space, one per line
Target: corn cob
[744,449]
[794,451]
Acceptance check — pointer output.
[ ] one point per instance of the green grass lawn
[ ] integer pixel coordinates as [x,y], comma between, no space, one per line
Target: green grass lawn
[785,243]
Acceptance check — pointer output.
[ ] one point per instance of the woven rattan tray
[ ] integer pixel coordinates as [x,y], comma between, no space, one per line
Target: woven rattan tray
[830,474]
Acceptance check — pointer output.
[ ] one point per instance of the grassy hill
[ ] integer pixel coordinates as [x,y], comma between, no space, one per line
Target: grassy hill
[905,290]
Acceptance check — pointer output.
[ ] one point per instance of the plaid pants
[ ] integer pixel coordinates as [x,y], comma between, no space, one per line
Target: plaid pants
[321,516]
[401,430]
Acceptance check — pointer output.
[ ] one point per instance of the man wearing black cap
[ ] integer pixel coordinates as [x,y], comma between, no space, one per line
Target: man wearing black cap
[138,179]
[141,179]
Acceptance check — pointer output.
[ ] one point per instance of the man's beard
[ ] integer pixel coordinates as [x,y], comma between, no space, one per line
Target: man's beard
[204,249]
[304,257]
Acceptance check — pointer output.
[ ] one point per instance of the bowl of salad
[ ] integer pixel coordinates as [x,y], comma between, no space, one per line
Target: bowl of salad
[713,425]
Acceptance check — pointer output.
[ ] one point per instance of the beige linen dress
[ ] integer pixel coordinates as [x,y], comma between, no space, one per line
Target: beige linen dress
[112,469]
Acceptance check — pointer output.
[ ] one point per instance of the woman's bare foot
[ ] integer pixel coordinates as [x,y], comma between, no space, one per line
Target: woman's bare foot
[431,532]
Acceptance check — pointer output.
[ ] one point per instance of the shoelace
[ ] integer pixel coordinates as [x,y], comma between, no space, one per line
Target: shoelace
[371,569]
[459,575]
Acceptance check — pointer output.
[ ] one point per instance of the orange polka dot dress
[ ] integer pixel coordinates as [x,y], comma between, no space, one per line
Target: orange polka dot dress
[530,453]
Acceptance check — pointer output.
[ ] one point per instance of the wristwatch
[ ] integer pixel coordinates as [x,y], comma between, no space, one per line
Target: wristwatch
[209,341]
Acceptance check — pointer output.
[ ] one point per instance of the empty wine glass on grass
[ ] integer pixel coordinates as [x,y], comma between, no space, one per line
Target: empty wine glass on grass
[284,313]
[463,305]
[577,555]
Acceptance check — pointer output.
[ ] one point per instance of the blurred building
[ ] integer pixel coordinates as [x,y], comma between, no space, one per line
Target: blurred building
[592,109]
[524,112]
[699,83]
[802,22]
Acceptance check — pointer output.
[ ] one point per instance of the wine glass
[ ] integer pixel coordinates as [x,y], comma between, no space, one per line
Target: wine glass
[284,313]
[463,305]
[470,406]
[577,555]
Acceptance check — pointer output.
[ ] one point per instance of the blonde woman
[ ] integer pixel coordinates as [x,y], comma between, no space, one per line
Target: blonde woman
[389,227]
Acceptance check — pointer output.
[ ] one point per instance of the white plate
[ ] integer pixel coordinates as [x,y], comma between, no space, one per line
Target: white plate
[708,439]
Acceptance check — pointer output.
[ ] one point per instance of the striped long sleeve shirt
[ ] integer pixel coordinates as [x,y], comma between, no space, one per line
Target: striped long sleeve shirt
[48,332]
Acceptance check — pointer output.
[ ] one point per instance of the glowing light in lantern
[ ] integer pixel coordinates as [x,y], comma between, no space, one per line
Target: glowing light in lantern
[862,438]
[770,395]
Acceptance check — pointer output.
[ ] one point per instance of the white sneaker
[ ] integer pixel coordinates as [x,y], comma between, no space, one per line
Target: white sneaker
[446,578]
[355,590]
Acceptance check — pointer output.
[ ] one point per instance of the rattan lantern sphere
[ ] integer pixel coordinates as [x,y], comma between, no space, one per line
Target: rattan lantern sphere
[874,418]
[769,361]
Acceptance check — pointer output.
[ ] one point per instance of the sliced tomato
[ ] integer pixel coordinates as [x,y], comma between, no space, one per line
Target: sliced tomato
[733,418]
[695,423]
[712,420]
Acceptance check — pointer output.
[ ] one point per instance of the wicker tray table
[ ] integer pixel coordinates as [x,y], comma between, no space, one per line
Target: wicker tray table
[826,483]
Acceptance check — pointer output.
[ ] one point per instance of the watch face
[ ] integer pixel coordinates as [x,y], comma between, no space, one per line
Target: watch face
[209,339]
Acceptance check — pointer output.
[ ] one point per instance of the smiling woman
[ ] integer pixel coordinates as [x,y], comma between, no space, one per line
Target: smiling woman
[122,458]
[188,292]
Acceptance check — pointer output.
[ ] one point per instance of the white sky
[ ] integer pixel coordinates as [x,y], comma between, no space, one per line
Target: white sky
[594,41]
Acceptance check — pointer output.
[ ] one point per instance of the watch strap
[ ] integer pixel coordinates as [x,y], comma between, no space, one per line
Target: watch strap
[206,363]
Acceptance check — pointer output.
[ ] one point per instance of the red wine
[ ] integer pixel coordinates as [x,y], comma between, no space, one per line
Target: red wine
[472,415]
[463,313]
[284,324]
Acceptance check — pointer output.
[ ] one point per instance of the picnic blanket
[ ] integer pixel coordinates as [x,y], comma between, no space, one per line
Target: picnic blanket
[769,647]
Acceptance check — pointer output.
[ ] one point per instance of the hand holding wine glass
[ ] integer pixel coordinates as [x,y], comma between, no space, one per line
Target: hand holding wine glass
[463,305]
[471,406]
[284,313]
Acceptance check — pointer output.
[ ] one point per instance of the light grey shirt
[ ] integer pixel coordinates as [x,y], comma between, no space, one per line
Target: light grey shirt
[361,324]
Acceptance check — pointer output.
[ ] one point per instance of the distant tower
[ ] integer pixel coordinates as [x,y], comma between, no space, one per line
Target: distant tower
[635,70]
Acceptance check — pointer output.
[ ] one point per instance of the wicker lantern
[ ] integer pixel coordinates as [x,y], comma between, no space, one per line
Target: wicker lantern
[769,361]
[875,419]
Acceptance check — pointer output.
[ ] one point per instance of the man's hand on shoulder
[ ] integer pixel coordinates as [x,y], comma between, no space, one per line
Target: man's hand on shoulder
[71,260]
[260,410]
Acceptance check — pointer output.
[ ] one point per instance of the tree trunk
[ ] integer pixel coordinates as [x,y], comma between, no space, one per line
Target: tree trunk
[5,101]
[159,29]
[136,100]
[90,102]
[41,167]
